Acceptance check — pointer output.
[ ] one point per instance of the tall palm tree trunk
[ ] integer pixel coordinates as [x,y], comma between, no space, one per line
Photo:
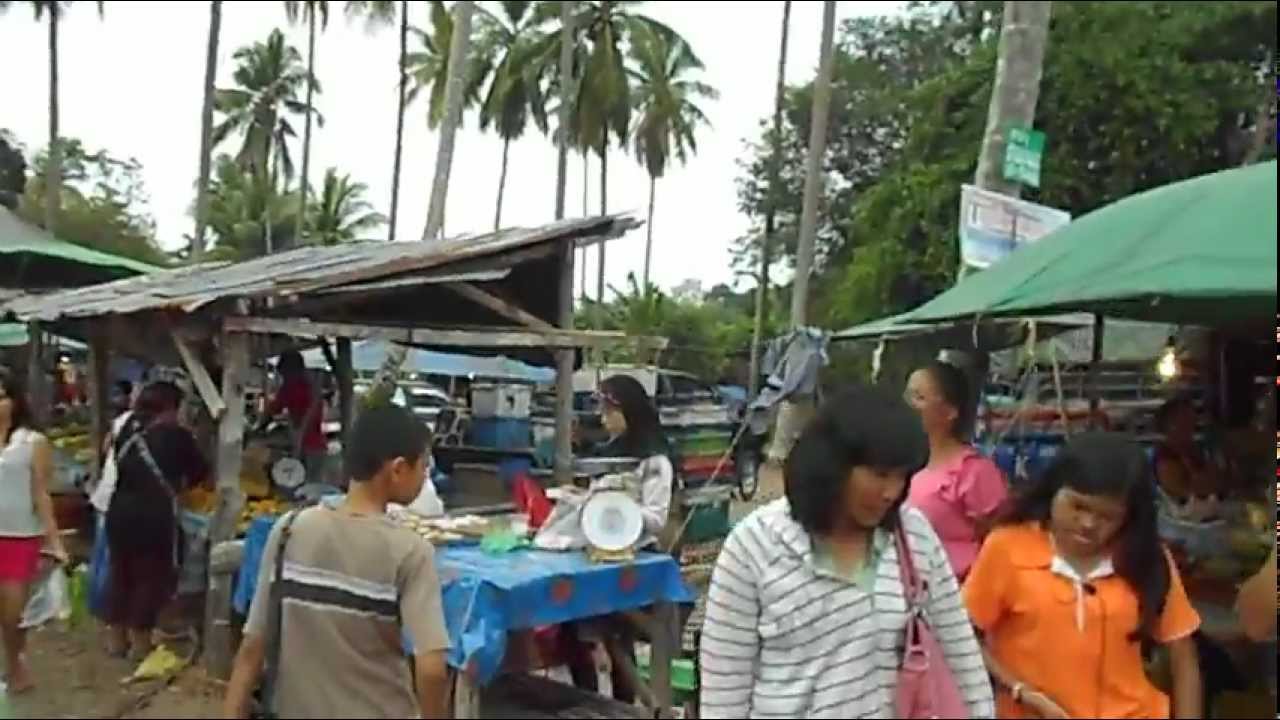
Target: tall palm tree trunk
[771,206]
[604,210]
[206,130]
[453,101]
[303,183]
[648,240]
[400,106]
[502,186]
[586,212]
[53,174]
[813,170]
[565,357]
[788,419]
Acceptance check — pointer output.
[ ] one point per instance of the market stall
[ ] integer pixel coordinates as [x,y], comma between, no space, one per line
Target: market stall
[1198,253]
[496,291]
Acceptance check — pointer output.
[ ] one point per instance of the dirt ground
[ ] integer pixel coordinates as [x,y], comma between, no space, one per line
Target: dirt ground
[76,679]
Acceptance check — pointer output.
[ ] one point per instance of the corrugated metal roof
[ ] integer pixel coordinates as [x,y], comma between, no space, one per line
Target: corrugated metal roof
[309,269]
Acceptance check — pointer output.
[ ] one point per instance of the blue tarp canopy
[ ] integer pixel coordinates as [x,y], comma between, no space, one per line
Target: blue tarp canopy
[367,356]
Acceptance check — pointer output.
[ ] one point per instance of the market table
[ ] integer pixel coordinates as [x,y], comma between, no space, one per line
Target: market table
[487,596]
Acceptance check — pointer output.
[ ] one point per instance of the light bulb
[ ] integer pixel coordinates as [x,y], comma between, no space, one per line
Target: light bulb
[1168,365]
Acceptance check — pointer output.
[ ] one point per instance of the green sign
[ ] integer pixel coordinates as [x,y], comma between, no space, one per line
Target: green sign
[1022,152]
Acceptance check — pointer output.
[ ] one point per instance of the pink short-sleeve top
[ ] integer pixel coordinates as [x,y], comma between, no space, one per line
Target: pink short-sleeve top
[956,496]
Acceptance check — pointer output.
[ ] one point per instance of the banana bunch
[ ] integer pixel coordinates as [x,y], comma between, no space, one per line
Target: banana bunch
[200,500]
[258,508]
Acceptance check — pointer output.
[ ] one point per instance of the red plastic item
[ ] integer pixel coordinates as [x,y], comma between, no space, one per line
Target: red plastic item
[530,499]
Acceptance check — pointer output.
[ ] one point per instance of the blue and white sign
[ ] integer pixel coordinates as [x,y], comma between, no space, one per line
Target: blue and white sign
[993,225]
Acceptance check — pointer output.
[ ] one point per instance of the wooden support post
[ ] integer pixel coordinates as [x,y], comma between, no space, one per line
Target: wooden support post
[224,563]
[664,643]
[200,376]
[99,397]
[37,375]
[235,370]
[217,628]
[346,389]
[1095,372]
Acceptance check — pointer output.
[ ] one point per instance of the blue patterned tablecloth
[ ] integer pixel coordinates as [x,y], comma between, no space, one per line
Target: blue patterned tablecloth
[486,596]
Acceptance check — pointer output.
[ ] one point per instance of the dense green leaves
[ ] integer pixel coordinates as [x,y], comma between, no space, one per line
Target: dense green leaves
[1134,95]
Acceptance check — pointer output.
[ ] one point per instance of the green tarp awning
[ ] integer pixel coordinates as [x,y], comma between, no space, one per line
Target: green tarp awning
[29,256]
[1201,251]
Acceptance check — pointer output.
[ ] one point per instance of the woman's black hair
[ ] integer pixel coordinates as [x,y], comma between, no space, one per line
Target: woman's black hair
[954,388]
[156,398]
[290,363]
[644,436]
[859,427]
[20,414]
[1109,465]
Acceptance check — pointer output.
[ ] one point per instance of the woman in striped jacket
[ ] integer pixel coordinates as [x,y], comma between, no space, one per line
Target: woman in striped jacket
[806,615]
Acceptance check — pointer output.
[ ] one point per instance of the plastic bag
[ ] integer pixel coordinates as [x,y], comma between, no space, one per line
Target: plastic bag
[50,599]
[563,527]
[427,504]
[531,499]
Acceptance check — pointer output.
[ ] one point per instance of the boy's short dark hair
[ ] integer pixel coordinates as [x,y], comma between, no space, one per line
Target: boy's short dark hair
[860,426]
[382,434]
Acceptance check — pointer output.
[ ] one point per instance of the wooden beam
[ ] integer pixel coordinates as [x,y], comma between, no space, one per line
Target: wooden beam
[205,386]
[496,338]
[500,306]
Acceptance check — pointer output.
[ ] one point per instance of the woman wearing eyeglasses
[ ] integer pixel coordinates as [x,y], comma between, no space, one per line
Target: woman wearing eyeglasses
[631,420]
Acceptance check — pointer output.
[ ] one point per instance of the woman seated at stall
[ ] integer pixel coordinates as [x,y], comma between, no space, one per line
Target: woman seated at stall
[631,420]
[1183,471]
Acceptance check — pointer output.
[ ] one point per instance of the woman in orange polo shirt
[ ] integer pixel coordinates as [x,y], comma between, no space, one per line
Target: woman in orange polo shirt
[1073,582]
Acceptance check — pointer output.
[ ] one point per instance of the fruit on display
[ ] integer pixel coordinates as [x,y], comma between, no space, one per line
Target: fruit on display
[255,509]
[200,500]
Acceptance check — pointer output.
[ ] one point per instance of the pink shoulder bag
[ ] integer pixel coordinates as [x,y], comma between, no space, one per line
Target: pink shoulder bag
[926,687]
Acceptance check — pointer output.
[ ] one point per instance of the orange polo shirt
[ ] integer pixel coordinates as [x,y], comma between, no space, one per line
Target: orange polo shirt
[1072,647]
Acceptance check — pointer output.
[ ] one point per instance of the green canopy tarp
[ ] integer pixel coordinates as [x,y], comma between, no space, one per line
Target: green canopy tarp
[31,257]
[1201,251]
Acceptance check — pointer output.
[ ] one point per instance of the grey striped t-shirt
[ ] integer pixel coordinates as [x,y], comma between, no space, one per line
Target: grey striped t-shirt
[783,639]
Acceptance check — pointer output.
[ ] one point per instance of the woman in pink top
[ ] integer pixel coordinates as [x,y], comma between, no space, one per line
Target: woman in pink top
[960,489]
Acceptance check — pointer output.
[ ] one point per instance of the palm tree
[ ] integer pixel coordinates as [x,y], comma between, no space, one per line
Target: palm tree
[269,77]
[245,211]
[428,68]
[770,213]
[341,213]
[383,13]
[310,11]
[52,9]
[813,168]
[603,102]
[206,130]
[455,92]
[507,44]
[669,115]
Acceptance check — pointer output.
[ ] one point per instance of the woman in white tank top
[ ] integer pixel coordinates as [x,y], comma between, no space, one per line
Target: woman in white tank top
[26,522]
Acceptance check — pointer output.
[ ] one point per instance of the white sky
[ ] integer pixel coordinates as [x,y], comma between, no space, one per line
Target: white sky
[131,84]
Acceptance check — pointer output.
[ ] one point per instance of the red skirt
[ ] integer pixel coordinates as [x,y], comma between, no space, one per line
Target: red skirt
[19,559]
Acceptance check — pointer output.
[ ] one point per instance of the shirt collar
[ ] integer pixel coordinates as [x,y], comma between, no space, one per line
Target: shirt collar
[798,541]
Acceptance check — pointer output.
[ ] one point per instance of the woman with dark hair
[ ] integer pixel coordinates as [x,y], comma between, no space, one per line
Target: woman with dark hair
[26,521]
[1074,582]
[960,489]
[156,460]
[304,404]
[1183,471]
[807,610]
[631,420]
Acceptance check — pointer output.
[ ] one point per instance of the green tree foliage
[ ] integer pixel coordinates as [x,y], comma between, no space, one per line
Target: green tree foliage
[241,204]
[103,199]
[340,213]
[1134,95]
[13,170]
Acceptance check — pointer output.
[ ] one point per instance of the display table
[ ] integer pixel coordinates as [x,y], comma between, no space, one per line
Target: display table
[486,597]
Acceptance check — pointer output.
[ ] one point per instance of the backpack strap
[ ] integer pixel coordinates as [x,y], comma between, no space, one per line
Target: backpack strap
[275,620]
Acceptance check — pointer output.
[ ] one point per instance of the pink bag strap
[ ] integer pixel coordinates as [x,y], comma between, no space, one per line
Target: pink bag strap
[912,583]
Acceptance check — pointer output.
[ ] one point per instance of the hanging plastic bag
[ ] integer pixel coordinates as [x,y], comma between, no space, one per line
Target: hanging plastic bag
[50,599]
[563,527]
